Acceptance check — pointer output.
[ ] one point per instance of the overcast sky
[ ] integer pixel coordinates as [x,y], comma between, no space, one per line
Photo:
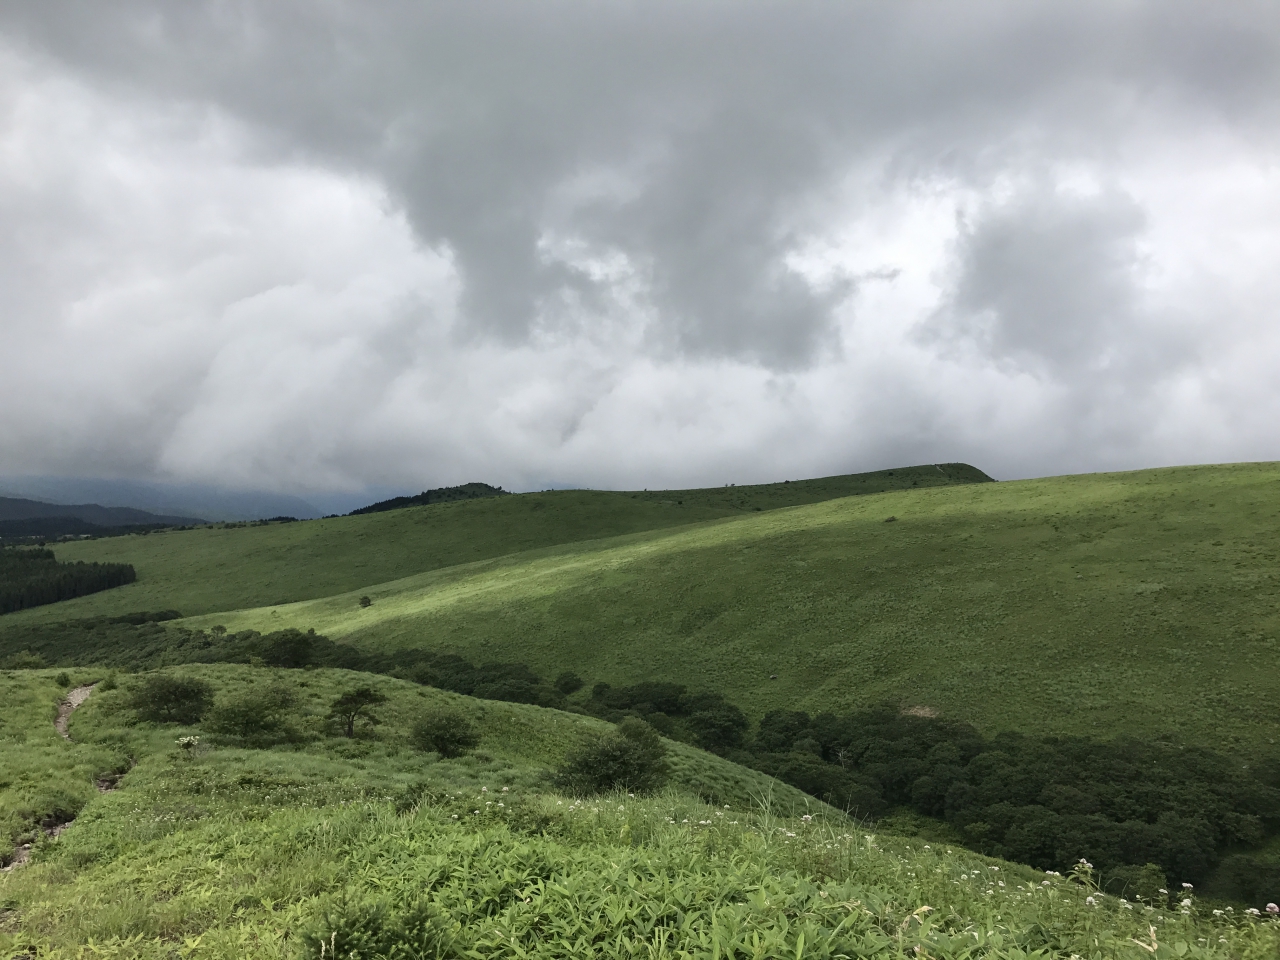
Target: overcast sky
[313,245]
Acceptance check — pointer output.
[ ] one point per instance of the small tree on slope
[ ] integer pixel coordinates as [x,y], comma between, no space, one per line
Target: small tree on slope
[356,705]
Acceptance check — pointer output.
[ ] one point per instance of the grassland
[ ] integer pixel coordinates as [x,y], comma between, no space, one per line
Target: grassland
[1142,603]
[221,852]
[228,567]
[44,778]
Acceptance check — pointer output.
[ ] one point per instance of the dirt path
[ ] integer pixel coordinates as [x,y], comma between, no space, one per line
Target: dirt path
[73,699]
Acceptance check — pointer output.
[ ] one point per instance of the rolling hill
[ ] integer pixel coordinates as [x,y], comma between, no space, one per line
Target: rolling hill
[1140,603]
[232,566]
[1109,606]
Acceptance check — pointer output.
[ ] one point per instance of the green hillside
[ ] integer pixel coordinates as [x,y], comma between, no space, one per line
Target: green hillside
[228,567]
[1142,603]
[374,849]
[1109,606]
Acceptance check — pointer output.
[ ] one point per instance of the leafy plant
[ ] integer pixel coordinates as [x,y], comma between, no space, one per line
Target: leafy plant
[257,715]
[568,682]
[449,732]
[375,929]
[632,758]
[165,698]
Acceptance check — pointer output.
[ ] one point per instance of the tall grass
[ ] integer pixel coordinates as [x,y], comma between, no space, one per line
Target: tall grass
[512,873]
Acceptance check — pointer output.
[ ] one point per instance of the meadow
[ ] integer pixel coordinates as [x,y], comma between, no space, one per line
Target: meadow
[230,566]
[217,851]
[1141,604]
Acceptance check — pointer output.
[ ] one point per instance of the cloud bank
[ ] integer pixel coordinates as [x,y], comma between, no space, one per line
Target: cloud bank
[320,246]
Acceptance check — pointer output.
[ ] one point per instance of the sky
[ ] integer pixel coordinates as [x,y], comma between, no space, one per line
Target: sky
[320,247]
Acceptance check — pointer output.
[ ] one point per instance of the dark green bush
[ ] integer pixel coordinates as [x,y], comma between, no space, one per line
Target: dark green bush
[63,679]
[448,732]
[1254,880]
[22,660]
[632,758]
[374,929]
[568,682]
[163,698]
[257,715]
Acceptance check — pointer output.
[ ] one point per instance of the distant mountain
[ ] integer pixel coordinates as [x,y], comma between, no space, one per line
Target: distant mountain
[466,491]
[16,509]
[165,499]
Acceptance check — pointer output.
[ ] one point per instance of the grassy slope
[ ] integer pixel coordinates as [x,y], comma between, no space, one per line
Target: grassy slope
[39,771]
[234,853]
[219,568]
[1142,602]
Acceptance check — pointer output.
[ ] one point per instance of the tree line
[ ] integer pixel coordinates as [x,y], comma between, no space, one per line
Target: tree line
[465,491]
[32,577]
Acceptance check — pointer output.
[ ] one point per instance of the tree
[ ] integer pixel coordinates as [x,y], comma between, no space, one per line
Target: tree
[720,727]
[163,698]
[448,732]
[356,705]
[288,648]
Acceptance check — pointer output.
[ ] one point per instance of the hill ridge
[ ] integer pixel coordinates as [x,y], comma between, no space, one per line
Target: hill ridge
[18,508]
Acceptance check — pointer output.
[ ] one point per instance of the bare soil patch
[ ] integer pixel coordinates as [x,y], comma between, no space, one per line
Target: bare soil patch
[73,699]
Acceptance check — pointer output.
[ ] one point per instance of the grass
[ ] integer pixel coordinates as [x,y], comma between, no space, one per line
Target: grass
[1141,604]
[224,852]
[227,567]
[39,771]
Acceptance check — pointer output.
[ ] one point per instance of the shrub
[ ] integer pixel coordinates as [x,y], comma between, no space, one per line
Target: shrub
[163,698]
[288,648]
[375,930]
[719,727]
[449,733]
[63,679]
[568,682]
[632,758]
[22,660]
[257,715]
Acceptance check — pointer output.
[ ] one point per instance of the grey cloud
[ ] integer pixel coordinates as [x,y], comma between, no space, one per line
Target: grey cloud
[629,197]
[733,118]
[1049,281]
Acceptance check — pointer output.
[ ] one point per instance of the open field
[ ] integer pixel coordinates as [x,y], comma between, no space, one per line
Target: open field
[226,852]
[1142,603]
[1135,604]
[226,568]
